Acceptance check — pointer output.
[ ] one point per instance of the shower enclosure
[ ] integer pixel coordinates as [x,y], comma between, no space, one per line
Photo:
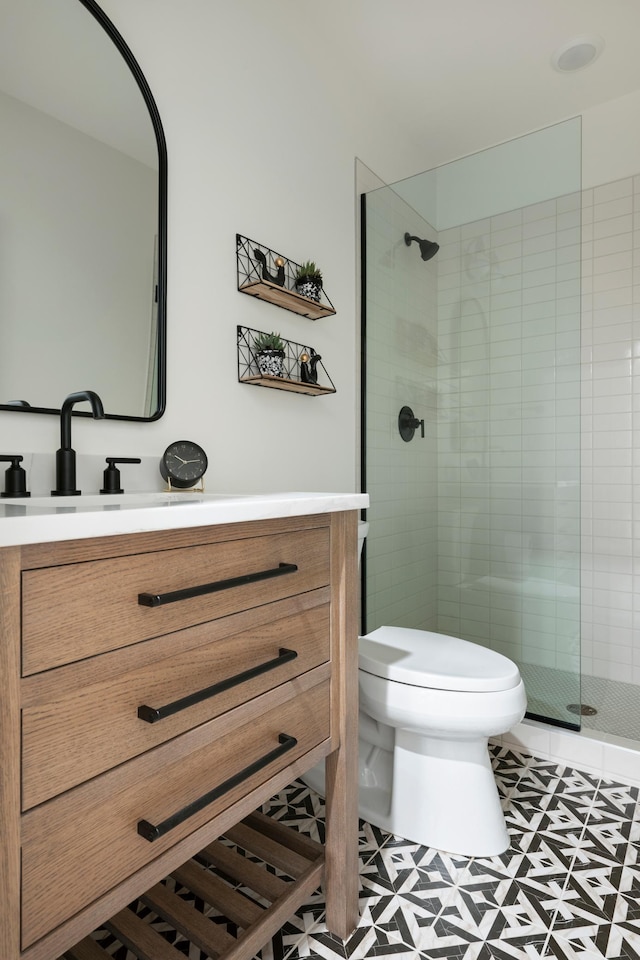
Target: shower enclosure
[475,509]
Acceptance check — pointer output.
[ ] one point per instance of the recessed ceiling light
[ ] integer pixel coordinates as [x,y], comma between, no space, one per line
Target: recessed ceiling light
[577,53]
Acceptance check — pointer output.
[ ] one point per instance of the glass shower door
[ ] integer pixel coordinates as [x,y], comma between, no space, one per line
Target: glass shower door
[474,528]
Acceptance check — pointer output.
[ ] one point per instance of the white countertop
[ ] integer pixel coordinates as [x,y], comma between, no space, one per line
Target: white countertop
[48,519]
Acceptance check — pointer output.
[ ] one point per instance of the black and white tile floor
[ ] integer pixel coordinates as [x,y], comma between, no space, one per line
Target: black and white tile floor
[567,888]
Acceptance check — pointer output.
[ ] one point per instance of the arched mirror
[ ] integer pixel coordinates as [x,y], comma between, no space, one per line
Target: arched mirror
[82,217]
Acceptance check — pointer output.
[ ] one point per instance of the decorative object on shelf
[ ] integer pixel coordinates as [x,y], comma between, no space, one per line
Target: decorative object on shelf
[309,281]
[267,275]
[182,464]
[298,375]
[309,366]
[269,351]
[279,262]
[313,365]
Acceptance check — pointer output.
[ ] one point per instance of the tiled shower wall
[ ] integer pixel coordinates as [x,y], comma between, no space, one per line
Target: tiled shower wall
[509,434]
[401,369]
[611,431]
[509,411]
[521,297]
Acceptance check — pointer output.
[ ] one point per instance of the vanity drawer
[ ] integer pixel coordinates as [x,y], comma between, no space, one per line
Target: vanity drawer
[81,844]
[79,610]
[82,719]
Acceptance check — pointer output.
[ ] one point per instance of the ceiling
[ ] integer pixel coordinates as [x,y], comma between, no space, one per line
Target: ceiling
[461,75]
[457,75]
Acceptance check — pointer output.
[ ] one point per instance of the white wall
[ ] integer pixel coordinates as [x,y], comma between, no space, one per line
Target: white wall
[611,141]
[262,133]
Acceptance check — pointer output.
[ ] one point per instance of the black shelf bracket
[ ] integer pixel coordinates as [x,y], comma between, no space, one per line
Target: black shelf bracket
[292,370]
[270,276]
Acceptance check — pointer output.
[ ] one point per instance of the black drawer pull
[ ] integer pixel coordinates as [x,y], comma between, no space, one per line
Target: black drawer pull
[151,714]
[153,832]
[158,599]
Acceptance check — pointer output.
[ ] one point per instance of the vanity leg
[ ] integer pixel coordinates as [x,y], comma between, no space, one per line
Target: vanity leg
[341,847]
[10,755]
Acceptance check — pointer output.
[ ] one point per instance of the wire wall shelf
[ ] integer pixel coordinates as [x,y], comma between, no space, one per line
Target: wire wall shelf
[295,367]
[269,276]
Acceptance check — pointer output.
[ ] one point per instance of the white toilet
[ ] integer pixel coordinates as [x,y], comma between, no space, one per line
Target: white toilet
[428,704]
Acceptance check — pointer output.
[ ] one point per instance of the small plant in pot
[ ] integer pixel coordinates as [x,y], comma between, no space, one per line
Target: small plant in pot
[308,281]
[269,352]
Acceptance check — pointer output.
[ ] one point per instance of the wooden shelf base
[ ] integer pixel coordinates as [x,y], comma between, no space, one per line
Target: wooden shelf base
[289,299]
[293,386]
[299,860]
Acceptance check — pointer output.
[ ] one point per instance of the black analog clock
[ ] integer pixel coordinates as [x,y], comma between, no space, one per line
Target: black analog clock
[183,463]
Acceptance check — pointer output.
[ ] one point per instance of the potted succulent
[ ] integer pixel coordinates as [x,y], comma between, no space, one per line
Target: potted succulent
[308,281]
[269,352]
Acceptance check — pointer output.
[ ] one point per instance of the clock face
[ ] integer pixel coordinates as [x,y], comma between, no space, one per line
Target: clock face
[183,463]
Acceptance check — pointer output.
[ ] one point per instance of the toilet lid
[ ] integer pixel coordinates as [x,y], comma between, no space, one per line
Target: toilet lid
[425,659]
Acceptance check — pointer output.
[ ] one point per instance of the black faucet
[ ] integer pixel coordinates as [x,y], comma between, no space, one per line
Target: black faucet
[65,456]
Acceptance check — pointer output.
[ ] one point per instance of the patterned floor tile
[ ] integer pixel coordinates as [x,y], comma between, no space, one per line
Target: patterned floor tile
[372,839]
[607,941]
[426,882]
[577,791]
[606,842]
[423,870]
[549,776]
[509,767]
[379,934]
[553,815]
[568,887]
[299,807]
[508,918]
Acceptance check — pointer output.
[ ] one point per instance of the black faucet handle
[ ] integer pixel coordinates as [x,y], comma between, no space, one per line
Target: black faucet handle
[112,474]
[15,476]
[408,423]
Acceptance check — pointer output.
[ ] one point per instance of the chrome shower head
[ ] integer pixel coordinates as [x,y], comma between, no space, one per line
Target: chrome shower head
[428,248]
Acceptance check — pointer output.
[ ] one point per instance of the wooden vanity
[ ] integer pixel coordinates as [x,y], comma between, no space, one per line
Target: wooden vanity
[159,686]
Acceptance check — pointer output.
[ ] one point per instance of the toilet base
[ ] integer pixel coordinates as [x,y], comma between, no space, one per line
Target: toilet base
[444,793]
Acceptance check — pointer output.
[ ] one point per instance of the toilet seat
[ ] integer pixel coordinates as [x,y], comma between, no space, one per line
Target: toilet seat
[425,659]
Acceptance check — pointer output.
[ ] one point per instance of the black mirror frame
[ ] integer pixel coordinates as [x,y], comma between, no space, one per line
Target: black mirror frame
[130,60]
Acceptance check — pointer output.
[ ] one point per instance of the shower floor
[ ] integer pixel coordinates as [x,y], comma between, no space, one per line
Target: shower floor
[549,692]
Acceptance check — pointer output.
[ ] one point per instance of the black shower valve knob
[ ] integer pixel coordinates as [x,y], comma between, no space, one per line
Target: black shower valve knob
[15,478]
[408,423]
[112,474]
